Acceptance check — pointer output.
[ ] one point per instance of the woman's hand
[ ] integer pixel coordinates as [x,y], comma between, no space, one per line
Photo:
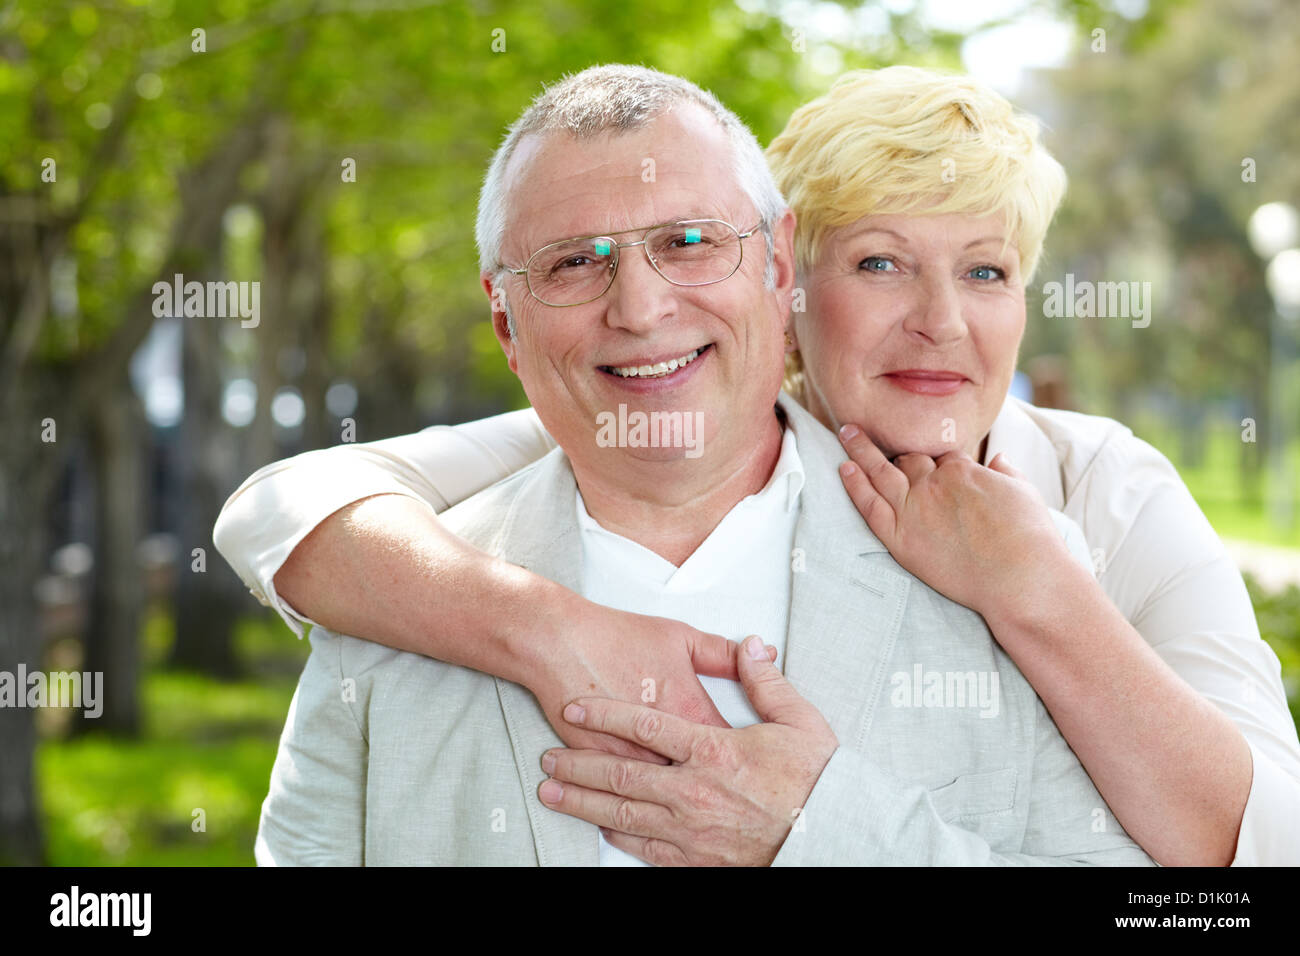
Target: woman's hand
[653,661]
[976,535]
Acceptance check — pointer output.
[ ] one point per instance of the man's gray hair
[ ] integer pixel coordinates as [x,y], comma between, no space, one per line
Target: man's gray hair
[620,98]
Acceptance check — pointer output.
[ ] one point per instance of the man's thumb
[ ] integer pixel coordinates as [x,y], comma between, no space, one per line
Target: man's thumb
[773,697]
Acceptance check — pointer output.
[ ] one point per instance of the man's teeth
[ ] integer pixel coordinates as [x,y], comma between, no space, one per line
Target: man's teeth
[653,371]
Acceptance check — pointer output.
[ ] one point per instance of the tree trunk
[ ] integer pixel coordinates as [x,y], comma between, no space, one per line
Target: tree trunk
[117,443]
[206,600]
[28,470]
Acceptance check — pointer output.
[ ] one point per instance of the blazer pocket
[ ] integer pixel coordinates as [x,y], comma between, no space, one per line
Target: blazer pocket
[976,794]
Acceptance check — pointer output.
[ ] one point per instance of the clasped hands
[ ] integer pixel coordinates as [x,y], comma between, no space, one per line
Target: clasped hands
[675,784]
[728,798]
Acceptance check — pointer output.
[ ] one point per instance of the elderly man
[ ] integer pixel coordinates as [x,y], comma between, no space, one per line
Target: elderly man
[685,486]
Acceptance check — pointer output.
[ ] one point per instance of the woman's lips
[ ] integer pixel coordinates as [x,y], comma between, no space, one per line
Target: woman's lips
[926,381]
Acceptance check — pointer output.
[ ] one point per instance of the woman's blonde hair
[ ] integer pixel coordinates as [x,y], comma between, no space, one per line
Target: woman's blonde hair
[904,139]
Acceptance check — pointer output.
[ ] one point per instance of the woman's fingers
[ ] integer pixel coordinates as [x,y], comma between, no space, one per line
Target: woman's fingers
[1000,464]
[871,504]
[883,477]
[714,656]
[915,466]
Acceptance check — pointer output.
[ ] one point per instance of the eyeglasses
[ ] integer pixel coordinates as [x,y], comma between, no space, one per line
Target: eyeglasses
[690,252]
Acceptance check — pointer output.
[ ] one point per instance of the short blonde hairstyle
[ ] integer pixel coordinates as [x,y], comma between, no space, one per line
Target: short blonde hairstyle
[904,139]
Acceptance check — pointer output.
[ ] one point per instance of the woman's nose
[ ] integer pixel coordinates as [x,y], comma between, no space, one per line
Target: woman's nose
[937,313]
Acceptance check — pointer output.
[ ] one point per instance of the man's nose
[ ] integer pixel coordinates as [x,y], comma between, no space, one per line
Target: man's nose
[937,312]
[640,297]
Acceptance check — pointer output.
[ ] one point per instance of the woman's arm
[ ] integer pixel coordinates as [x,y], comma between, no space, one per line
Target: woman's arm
[275,509]
[348,538]
[1175,769]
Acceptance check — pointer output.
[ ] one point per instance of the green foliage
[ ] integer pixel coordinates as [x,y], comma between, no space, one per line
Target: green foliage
[206,745]
[1279,624]
[417,94]
[1153,133]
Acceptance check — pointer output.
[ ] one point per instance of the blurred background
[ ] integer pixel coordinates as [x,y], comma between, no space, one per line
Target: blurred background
[332,151]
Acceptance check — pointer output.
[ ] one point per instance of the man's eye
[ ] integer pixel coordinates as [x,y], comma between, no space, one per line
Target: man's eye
[985,273]
[573,262]
[689,240]
[878,264]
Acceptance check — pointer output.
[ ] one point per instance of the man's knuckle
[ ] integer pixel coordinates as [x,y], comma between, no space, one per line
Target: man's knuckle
[621,776]
[625,816]
[647,726]
[711,750]
[661,853]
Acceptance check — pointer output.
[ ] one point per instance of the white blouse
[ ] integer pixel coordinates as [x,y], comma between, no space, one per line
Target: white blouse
[1155,555]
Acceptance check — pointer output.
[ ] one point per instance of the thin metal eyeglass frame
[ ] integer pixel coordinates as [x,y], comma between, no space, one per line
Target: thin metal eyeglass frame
[613,269]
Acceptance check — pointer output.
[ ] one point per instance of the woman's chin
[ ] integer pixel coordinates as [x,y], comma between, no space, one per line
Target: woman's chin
[921,441]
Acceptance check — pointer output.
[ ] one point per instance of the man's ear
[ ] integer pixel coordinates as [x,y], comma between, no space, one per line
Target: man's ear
[783,259]
[791,336]
[500,325]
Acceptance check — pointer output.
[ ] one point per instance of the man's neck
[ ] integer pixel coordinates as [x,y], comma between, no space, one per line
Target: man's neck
[670,507]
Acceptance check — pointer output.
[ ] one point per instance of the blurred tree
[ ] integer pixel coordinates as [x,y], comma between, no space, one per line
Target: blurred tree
[1156,132]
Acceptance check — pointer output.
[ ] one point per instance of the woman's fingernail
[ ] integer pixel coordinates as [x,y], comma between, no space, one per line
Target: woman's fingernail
[575,714]
[849,432]
[548,762]
[755,649]
[551,791]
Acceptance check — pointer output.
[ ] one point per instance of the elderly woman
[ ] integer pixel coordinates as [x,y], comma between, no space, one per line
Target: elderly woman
[922,202]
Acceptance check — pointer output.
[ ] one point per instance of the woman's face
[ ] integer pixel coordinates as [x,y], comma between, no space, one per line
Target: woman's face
[911,330]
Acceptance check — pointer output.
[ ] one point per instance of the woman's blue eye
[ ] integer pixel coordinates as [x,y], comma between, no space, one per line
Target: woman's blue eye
[877,264]
[987,272]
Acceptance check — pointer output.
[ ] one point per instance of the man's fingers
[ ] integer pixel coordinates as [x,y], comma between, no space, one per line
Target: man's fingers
[606,809]
[657,852]
[597,770]
[714,656]
[616,746]
[774,698]
[883,476]
[661,732]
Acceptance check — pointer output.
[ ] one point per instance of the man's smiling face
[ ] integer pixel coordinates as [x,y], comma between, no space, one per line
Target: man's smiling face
[726,338]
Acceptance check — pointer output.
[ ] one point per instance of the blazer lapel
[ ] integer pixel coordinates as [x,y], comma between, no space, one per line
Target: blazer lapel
[847,593]
[847,602]
[541,534]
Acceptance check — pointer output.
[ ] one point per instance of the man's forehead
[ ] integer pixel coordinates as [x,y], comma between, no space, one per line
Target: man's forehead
[676,166]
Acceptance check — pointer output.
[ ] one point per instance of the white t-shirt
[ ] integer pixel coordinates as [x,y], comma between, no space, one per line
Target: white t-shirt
[736,583]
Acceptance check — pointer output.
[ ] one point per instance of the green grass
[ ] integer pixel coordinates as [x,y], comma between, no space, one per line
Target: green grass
[1215,483]
[206,745]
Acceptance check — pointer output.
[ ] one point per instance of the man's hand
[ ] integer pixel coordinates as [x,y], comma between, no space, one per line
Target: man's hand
[630,657]
[731,796]
[977,535]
